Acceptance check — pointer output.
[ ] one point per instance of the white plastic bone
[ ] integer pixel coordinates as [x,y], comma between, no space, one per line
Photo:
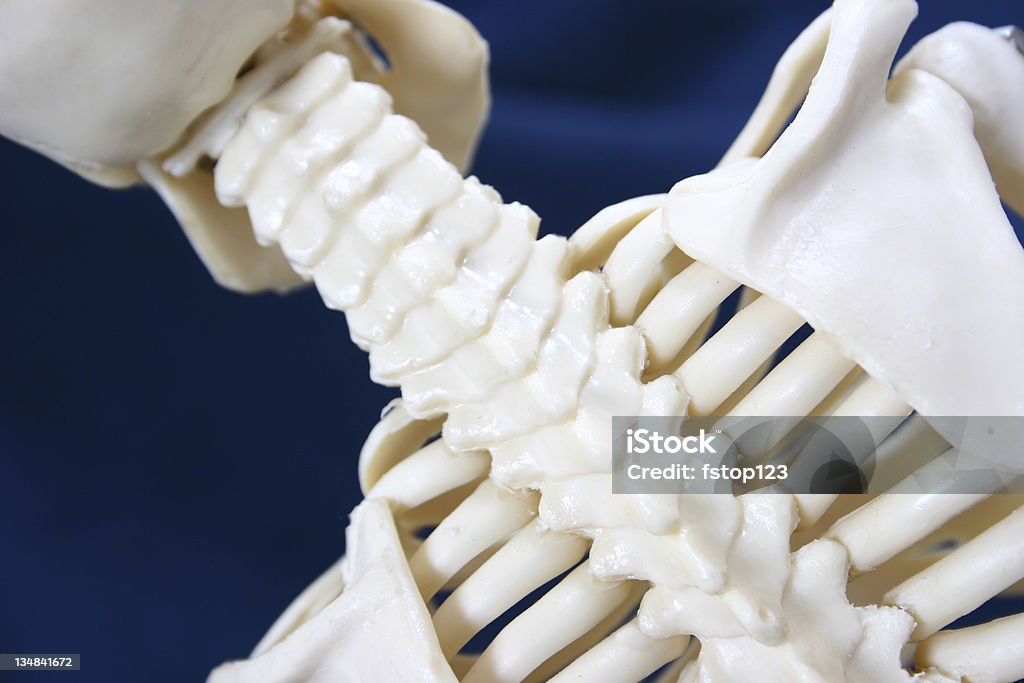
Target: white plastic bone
[988,652]
[123,81]
[352,638]
[796,225]
[79,101]
[983,67]
[964,579]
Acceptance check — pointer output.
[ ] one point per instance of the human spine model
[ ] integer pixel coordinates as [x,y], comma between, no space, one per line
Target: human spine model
[519,351]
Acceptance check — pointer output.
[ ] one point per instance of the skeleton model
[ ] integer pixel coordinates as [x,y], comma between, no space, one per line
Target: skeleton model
[873,217]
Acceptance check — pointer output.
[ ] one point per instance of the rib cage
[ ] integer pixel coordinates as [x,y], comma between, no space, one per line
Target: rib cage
[523,351]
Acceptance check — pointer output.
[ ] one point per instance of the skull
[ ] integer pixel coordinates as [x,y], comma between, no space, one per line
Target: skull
[97,85]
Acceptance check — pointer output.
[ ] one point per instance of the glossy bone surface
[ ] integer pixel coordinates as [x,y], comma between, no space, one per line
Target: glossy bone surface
[124,79]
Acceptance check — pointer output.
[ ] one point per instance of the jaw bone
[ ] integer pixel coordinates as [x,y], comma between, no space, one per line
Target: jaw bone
[524,354]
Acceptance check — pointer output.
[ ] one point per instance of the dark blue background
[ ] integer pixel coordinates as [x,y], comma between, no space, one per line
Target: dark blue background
[177,462]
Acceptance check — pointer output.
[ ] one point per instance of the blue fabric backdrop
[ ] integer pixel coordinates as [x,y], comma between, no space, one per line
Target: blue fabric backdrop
[177,462]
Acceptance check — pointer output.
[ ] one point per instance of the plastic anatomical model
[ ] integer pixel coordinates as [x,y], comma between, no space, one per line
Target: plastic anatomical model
[290,152]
